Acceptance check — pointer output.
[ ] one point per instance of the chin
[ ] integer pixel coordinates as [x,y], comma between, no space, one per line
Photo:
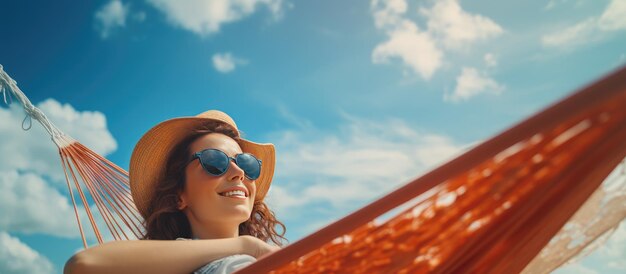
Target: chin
[239,215]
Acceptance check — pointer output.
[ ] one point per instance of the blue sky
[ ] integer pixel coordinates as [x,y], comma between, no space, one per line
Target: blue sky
[358,96]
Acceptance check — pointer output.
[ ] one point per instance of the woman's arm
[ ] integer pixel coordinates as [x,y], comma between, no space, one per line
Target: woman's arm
[147,256]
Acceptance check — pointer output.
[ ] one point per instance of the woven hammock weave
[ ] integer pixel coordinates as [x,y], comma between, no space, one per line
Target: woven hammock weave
[516,203]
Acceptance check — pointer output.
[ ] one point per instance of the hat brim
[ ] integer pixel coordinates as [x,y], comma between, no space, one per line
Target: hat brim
[151,153]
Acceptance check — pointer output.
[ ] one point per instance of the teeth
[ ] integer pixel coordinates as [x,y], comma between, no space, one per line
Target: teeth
[234,193]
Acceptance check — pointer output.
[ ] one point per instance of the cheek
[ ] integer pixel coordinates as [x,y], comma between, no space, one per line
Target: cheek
[197,177]
[198,184]
[252,188]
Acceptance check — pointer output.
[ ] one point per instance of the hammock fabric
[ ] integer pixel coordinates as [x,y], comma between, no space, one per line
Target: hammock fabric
[492,209]
[501,207]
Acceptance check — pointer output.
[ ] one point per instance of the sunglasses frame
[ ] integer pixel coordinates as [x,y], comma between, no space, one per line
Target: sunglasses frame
[233,159]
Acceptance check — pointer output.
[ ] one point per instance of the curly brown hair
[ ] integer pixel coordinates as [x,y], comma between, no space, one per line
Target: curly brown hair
[166,222]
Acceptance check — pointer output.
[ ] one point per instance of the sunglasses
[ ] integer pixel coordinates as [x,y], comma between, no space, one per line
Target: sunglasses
[216,162]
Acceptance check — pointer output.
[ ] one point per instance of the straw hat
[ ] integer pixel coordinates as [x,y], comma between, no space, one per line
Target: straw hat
[147,163]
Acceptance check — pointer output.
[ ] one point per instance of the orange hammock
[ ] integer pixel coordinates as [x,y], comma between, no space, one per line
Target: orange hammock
[499,208]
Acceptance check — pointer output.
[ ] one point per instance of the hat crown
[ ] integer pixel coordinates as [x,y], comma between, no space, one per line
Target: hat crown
[220,116]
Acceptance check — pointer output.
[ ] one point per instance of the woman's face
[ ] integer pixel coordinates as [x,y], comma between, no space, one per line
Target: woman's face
[203,199]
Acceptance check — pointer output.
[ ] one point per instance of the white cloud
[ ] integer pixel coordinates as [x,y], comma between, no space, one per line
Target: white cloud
[591,29]
[470,83]
[205,17]
[457,28]
[613,17]
[388,13]
[111,16]
[33,150]
[226,62]
[29,205]
[333,174]
[415,48]
[448,27]
[17,257]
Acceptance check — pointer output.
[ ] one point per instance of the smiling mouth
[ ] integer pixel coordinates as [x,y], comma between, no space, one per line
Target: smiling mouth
[239,194]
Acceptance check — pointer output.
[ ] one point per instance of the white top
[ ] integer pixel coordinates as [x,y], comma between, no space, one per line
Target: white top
[225,265]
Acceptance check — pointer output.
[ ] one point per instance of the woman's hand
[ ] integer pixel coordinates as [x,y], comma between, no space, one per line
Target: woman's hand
[255,247]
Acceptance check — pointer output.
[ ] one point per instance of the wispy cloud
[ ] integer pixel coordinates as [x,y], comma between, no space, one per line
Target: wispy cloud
[110,17]
[591,29]
[572,36]
[205,17]
[455,28]
[226,62]
[472,82]
[556,3]
[553,3]
[17,257]
[287,115]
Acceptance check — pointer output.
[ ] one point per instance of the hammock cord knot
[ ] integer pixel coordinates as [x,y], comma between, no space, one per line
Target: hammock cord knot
[30,122]
[9,88]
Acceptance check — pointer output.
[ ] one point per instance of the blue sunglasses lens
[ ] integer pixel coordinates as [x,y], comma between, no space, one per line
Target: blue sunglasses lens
[249,164]
[216,163]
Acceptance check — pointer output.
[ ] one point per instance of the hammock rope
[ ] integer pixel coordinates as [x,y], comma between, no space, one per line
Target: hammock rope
[95,180]
[515,203]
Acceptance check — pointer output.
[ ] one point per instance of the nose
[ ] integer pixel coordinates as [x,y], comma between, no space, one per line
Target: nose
[235,173]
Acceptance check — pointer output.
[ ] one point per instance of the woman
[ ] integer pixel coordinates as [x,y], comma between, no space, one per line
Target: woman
[194,178]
